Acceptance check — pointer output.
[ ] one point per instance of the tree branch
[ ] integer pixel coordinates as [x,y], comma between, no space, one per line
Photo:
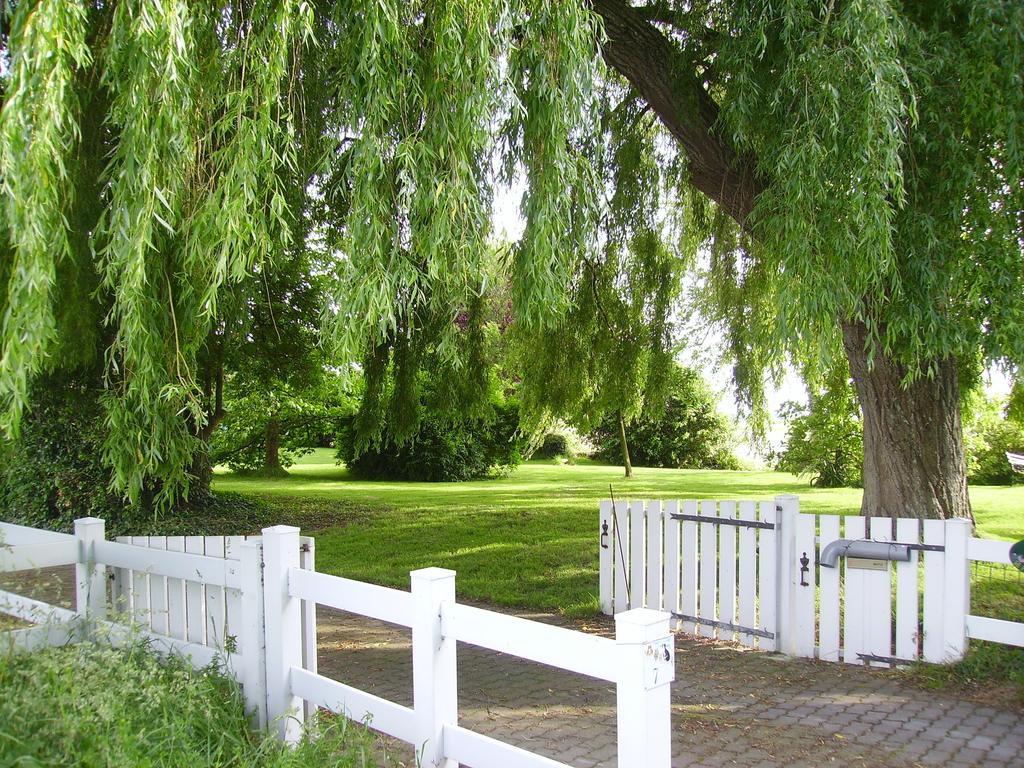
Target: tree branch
[659,72]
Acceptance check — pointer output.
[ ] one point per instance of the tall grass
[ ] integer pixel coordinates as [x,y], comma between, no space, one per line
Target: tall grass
[94,705]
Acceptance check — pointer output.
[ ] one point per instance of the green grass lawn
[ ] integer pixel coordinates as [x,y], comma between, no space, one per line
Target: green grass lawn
[528,539]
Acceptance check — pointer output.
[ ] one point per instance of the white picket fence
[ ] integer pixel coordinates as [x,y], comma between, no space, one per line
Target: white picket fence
[750,572]
[190,602]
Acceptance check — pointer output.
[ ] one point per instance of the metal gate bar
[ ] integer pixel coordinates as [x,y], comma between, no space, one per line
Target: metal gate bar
[725,521]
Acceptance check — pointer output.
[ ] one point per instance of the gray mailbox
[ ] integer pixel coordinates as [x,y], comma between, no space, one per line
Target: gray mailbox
[868,550]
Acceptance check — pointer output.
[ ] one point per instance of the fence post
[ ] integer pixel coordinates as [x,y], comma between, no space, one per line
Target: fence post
[435,683]
[282,623]
[250,635]
[957,588]
[643,691]
[307,561]
[606,541]
[90,576]
[787,573]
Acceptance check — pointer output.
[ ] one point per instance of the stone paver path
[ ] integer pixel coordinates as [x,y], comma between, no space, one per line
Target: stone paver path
[730,707]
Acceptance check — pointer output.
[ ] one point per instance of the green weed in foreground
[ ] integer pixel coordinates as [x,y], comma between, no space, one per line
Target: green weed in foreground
[92,705]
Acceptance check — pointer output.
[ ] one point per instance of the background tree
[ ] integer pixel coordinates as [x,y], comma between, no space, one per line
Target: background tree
[688,433]
[993,427]
[825,438]
[609,355]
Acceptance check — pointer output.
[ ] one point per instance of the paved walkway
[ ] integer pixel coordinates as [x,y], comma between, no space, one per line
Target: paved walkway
[730,707]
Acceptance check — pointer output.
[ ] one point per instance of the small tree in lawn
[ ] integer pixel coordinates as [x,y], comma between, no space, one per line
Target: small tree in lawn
[687,432]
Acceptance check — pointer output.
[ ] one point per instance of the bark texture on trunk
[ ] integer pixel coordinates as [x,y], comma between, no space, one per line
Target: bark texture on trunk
[625,447]
[913,441]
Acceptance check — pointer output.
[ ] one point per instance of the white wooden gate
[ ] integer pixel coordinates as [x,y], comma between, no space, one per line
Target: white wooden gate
[713,565]
[750,572]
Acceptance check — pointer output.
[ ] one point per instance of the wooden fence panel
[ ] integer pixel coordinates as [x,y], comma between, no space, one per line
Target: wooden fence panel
[213,546]
[637,571]
[853,598]
[620,555]
[804,602]
[767,576]
[194,598]
[688,580]
[671,599]
[933,642]
[877,613]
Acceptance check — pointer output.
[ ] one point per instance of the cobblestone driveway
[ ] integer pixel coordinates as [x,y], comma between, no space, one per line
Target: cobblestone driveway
[730,707]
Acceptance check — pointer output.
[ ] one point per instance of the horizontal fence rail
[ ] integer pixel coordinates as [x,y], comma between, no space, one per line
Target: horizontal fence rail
[641,661]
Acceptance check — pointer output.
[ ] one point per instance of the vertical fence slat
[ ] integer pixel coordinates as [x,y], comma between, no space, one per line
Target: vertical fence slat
[957,589]
[141,609]
[233,597]
[727,568]
[907,531]
[708,588]
[688,567]
[158,591]
[213,546]
[933,644]
[671,559]
[120,589]
[767,576]
[654,598]
[606,545]
[747,583]
[805,599]
[828,616]
[620,555]
[637,540]
[853,598]
[878,608]
[176,595]
[194,602]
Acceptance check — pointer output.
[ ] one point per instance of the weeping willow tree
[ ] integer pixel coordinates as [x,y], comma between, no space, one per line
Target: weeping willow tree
[193,108]
[610,354]
[865,162]
[861,161]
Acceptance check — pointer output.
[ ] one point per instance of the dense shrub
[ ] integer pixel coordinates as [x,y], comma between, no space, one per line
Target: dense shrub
[442,449]
[54,472]
[990,430]
[553,445]
[90,705]
[825,440]
[688,433]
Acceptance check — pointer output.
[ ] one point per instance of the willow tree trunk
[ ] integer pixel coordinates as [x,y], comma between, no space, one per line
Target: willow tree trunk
[625,447]
[913,441]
